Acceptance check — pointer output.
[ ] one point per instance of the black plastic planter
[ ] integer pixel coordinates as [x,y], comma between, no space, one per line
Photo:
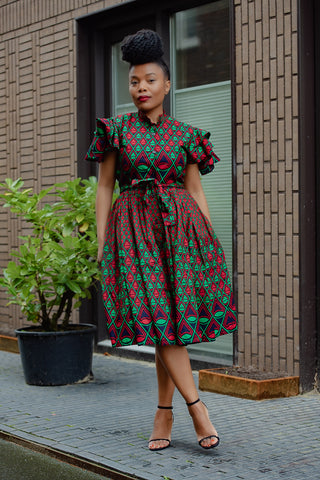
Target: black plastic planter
[56,358]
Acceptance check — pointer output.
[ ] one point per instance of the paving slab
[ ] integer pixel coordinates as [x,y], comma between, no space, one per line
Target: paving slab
[108,421]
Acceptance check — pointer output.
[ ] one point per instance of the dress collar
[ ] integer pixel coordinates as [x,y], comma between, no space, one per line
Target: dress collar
[143,116]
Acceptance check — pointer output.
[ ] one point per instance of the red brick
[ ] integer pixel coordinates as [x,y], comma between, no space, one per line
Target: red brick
[282,255]
[265,58]
[261,364]
[258,42]
[268,336]
[238,24]
[275,234]
[247,351]
[275,316]
[260,239]
[265,18]
[267,255]
[261,315]
[254,260]
[254,335]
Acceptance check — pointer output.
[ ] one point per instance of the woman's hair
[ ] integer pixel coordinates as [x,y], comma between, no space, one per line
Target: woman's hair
[145,46]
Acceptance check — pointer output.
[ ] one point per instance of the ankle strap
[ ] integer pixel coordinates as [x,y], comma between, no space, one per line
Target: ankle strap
[193,403]
[165,408]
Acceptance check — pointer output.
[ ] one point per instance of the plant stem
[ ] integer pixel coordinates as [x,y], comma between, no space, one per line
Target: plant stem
[45,316]
[66,299]
[68,311]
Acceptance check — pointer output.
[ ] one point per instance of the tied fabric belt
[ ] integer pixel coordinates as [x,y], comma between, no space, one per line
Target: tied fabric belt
[161,191]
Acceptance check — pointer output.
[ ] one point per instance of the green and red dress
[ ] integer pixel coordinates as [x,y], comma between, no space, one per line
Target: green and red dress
[165,279]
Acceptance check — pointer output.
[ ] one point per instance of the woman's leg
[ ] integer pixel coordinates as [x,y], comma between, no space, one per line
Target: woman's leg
[163,418]
[177,364]
[166,386]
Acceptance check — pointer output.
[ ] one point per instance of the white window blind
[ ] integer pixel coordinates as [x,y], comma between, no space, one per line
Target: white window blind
[209,107]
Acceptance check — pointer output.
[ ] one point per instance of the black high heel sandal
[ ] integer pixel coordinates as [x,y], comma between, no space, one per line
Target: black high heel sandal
[209,436]
[159,439]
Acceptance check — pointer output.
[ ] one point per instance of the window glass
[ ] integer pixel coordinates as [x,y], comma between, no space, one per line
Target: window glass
[121,100]
[201,96]
[202,45]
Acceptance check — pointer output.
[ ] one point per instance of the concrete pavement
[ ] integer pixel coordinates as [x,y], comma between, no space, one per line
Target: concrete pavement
[107,422]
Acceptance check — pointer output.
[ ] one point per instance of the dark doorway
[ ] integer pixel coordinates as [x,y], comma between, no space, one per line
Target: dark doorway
[187,28]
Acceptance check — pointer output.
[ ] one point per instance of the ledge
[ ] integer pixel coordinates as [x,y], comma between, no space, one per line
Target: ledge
[9,344]
[214,380]
[146,353]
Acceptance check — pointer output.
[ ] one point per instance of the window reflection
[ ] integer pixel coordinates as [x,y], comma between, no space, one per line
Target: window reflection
[202,45]
[121,100]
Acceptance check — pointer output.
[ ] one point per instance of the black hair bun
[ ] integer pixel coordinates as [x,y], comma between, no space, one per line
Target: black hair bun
[142,47]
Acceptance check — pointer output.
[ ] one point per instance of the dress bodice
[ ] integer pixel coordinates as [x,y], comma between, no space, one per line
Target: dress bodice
[151,151]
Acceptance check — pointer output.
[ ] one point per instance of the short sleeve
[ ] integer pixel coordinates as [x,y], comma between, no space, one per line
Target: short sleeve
[200,151]
[105,137]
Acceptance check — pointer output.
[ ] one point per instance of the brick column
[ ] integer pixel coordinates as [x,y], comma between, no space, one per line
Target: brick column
[267,262]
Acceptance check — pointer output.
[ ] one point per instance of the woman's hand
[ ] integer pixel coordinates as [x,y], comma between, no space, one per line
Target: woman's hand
[193,185]
[100,255]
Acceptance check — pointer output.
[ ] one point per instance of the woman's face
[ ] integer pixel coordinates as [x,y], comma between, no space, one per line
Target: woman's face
[148,86]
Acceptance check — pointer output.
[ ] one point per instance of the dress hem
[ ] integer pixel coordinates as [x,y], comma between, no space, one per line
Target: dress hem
[169,344]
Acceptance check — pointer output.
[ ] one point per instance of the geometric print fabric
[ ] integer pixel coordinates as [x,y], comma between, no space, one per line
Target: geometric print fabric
[165,279]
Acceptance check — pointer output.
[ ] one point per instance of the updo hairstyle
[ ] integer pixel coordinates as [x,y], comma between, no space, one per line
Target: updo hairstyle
[145,46]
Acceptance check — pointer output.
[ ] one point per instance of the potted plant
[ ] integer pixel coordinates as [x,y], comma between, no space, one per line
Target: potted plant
[54,270]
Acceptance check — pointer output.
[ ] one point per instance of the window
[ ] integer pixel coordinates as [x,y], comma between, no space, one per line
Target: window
[201,45]
[121,100]
[201,96]
[197,41]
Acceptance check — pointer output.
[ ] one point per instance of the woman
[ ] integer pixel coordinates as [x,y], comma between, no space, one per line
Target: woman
[165,281]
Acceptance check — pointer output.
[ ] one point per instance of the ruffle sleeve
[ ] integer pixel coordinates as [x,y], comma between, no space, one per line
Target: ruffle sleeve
[105,137]
[200,151]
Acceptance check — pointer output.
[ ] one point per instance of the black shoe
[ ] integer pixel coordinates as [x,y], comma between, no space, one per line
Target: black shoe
[209,436]
[159,439]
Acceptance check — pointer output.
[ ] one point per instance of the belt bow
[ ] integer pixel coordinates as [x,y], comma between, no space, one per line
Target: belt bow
[162,194]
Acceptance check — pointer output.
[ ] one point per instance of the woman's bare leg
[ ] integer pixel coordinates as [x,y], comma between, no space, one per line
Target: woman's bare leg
[177,364]
[163,418]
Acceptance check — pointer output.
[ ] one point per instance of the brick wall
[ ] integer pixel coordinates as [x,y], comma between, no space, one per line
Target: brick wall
[267,183]
[37,104]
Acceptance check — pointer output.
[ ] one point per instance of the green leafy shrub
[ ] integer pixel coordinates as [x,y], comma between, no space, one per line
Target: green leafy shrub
[56,265]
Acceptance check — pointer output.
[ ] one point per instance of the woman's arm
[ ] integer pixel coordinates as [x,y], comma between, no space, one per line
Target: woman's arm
[106,181]
[192,183]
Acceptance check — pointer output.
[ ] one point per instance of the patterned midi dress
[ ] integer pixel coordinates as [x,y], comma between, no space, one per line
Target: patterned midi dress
[165,279]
